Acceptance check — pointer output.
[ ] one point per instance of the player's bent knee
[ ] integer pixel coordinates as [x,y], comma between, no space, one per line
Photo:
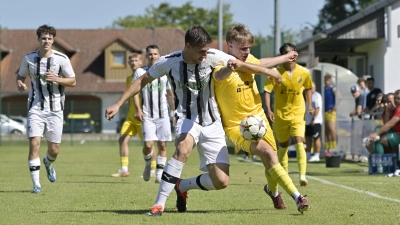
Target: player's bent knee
[221,182]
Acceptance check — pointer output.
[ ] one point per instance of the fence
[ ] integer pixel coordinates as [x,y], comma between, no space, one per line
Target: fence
[351,135]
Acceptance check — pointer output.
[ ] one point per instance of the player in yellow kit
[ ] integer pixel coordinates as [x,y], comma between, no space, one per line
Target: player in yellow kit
[289,110]
[237,97]
[131,127]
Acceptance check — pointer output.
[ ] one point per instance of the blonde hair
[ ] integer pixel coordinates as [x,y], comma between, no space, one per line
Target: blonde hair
[239,33]
[135,55]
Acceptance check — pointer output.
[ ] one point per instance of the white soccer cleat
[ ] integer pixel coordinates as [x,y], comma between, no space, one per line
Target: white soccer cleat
[121,173]
[314,159]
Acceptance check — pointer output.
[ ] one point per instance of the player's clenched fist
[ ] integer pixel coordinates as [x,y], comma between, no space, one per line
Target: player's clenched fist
[111,111]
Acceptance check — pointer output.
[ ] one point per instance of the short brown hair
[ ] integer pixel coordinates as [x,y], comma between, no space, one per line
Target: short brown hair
[360,80]
[197,36]
[239,33]
[46,29]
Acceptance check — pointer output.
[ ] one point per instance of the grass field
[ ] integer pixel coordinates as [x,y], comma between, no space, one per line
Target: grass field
[85,193]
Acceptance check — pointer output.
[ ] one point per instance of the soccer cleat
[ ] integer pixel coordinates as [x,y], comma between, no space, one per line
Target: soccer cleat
[278,201]
[314,159]
[180,198]
[152,173]
[156,210]
[158,179]
[36,190]
[121,173]
[303,183]
[146,172]
[302,204]
[51,173]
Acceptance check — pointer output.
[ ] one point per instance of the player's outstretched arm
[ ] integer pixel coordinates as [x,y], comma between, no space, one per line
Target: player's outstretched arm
[273,61]
[253,68]
[132,90]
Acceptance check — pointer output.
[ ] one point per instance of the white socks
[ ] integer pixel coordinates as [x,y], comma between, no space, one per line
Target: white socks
[34,167]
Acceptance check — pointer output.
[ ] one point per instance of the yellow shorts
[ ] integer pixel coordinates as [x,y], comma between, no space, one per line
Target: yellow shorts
[234,136]
[283,129]
[330,116]
[132,127]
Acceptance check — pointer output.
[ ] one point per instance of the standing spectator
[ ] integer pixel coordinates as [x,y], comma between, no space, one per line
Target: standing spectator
[330,114]
[313,126]
[154,115]
[371,97]
[359,100]
[131,127]
[50,72]
[364,92]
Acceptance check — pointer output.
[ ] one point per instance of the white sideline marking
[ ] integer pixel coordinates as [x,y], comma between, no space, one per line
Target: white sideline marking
[355,190]
[342,186]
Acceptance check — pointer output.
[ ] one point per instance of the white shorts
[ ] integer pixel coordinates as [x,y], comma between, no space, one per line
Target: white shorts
[156,129]
[210,141]
[47,124]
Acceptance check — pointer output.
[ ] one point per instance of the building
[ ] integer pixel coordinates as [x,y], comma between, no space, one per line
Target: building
[367,43]
[99,59]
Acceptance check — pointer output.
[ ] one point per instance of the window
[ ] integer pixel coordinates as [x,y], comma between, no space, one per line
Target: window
[118,59]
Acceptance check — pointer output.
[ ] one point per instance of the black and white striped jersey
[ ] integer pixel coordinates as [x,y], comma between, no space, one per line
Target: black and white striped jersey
[44,95]
[191,84]
[154,95]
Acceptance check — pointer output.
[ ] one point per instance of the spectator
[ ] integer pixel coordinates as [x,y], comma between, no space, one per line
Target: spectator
[330,114]
[390,131]
[313,126]
[364,92]
[371,97]
[359,100]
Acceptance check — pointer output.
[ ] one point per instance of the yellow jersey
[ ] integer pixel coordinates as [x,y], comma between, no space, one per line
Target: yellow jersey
[237,96]
[132,109]
[289,102]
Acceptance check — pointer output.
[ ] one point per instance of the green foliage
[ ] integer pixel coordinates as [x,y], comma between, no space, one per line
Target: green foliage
[85,193]
[287,35]
[182,17]
[335,11]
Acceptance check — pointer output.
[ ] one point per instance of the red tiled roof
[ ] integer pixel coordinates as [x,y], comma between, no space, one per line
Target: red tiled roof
[88,61]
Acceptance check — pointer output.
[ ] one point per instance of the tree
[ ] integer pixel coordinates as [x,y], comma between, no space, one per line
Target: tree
[287,35]
[182,17]
[335,11]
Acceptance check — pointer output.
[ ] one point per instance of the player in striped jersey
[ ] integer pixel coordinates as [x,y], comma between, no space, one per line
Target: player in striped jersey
[198,119]
[50,72]
[154,115]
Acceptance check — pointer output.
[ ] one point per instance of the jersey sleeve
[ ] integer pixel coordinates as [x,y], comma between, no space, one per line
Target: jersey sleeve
[138,73]
[269,85]
[159,68]
[217,57]
[216,69]
[168,85]
[361,101]
[23,69]
[308,81]
[67,70]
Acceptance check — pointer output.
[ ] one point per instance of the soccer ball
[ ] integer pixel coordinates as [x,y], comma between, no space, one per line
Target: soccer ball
[253,128]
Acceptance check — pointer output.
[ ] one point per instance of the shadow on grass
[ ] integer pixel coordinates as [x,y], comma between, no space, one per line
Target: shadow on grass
[95,182]
[141,211]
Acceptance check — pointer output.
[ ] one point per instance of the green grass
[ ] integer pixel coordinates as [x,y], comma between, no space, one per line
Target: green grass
[85,193]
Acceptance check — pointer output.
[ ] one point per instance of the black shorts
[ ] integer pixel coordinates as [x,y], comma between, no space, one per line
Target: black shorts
[313,131]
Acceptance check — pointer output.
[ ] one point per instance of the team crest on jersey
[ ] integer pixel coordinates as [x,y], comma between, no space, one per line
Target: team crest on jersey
[300,79]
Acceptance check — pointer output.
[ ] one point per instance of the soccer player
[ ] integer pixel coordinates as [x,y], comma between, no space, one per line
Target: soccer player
[155,115]
[288,115]
[198,119]
[131,127]
[330,115]
[237,97]
[50,72]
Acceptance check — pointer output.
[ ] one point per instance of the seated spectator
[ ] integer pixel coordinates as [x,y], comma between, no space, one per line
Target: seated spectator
[390,131]
[359,100]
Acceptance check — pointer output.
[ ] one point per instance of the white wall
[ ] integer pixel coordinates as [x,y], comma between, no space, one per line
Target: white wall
[392,55]
[376,52]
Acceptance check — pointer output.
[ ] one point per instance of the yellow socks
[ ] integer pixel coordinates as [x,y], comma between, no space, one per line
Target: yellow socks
[284,158]
[282,178]
[272,184]
[301,158]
